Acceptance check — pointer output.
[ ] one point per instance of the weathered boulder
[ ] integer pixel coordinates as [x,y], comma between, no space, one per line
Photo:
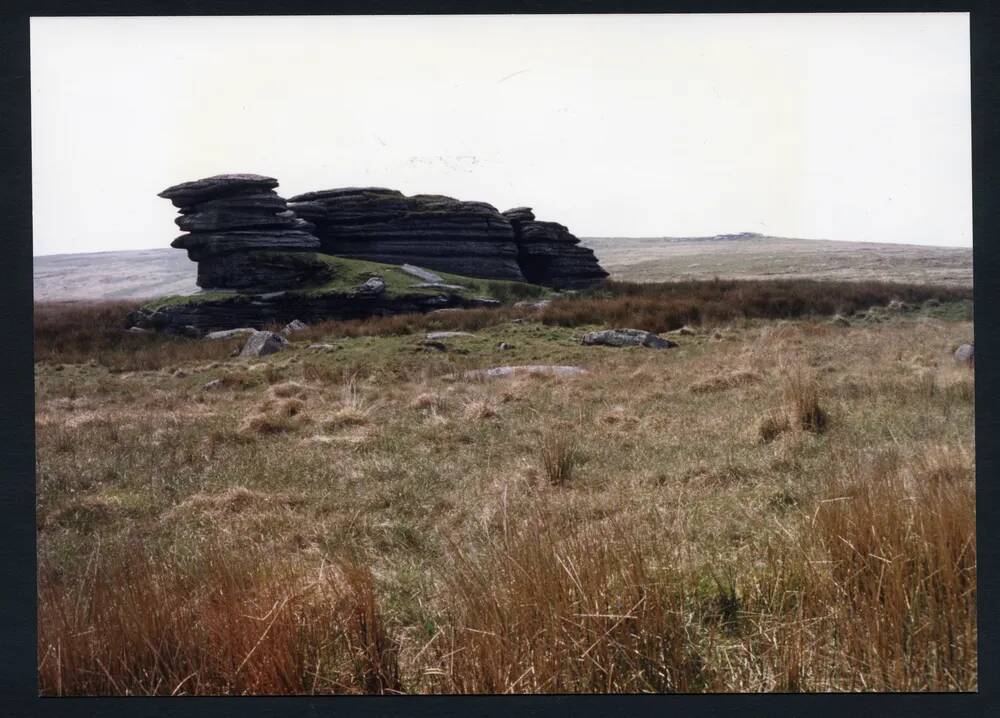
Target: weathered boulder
[293,326]
[626,338]
[263,343]
[372,285]
[965,354]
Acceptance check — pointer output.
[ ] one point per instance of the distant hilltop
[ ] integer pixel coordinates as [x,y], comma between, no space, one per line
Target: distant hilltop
[741,235]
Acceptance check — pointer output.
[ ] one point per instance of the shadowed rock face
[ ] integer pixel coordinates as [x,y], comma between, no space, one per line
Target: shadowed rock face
[383,225]
[231,219]
[549,255]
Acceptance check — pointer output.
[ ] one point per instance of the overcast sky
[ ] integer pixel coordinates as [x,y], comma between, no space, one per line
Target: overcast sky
[852,127]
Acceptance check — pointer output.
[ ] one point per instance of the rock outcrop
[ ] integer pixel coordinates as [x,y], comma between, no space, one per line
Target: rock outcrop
[272,261]
[549,255]
[241,233]
[433,231]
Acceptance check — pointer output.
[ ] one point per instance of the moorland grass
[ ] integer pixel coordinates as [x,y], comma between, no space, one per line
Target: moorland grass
[360,520]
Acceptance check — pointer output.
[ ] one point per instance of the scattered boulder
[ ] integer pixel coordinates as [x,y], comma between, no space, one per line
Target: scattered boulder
[626,338]
[840,321]
[214,384]
[321,347]
[897,305]
[138,330]
[965,354]
[504,346]
[374,285]
[294,326]
[230,333]
[263,343]
[684,331]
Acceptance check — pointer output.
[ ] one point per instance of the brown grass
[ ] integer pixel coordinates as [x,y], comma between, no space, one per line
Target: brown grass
[678,549]
[77,332]
[802,394]
[235,625]
[559,456]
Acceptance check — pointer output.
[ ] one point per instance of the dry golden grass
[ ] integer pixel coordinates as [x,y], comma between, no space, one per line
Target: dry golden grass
[353,521]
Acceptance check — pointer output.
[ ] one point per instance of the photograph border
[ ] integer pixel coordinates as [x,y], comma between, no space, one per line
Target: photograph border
[18,670]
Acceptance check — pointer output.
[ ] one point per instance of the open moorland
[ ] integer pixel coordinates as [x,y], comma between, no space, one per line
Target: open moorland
[749,256]
[785,501]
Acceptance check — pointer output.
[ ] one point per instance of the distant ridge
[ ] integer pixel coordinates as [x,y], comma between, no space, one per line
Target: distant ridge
[149,273]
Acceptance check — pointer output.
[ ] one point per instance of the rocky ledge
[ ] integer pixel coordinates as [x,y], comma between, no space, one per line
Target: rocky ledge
[350,289]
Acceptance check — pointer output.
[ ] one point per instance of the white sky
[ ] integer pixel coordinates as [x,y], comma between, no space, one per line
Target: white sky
[848,126]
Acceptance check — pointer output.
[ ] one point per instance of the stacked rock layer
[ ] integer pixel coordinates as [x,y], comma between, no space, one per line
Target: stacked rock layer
[384,225]
[549,255]
[240,231]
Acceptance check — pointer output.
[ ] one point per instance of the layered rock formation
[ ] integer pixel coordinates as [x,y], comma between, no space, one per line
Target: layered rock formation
[241,233]
[278,260]
[549,255]
[384,225]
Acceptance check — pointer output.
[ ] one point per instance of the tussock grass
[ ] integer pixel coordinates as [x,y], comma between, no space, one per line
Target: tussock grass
[684,546]
[801,391]
[232,626]
[559,456]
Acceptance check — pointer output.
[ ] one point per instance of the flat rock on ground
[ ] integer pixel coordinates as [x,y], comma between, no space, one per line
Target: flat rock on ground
[421,273]
[501,371]
[626,338]
[230,333]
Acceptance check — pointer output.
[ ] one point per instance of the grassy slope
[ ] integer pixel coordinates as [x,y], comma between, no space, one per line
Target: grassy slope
[668,504]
